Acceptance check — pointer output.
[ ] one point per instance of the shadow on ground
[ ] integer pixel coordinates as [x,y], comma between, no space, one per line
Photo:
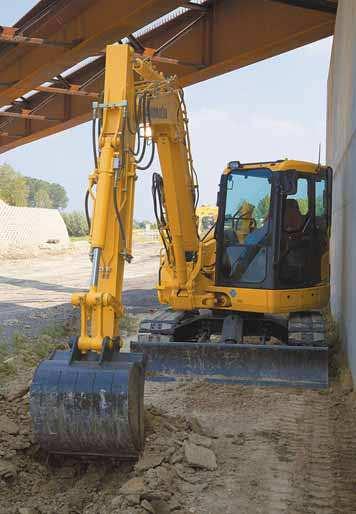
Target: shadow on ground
[36,284]
[32,321]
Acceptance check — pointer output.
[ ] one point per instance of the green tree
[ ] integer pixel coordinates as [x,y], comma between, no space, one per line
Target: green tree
[303,204]
[13,186]
[319,206]
[261,210]
[141,224]
[42,199]
[56,193]
[58,196]
[34,185]
[76,223]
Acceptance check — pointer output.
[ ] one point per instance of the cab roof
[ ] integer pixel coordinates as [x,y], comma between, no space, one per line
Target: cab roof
[282,165]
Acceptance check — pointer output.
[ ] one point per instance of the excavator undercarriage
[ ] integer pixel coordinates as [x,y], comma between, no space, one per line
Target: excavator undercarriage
[235,348]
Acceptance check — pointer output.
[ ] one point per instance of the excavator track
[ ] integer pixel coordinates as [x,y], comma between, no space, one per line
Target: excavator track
[307,329]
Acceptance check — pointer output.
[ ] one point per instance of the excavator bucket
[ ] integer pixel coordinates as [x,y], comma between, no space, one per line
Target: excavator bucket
[254,364]
[89,404]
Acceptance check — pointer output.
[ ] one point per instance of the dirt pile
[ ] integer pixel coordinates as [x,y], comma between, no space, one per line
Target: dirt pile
[178,460]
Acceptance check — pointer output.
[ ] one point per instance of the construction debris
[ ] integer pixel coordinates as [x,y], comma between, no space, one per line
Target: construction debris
[7,426]
[34,483]
[199,456]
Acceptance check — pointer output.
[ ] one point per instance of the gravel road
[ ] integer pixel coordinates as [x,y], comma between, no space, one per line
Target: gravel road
[36,292]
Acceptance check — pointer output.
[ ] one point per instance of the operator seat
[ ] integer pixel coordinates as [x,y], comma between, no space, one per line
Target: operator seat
[295,252]
[293,220]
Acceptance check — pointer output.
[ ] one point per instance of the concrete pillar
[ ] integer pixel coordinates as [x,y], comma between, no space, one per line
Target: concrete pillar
[341,155]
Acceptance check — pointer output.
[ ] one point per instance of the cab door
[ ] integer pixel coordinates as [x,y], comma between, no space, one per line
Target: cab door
[244,229]
[304,232]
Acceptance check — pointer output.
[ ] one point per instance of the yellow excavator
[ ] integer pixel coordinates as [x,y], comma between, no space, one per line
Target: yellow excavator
[244,300]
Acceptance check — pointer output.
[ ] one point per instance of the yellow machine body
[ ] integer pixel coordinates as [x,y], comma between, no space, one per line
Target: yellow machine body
[202,291]
[187,268]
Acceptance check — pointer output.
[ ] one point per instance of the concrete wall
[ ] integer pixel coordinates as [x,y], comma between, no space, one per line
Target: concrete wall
[341,155]
[24,228]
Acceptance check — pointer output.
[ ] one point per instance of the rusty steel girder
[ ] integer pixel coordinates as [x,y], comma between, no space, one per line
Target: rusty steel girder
[93,24]
[212,38]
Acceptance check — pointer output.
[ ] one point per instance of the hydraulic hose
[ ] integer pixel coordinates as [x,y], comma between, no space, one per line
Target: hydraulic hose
[115,188]
[94,141]
[153,144]
[143,109]
[157,194]
[87,215]
[95,155]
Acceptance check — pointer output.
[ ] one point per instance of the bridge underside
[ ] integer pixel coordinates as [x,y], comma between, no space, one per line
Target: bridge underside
[43,95]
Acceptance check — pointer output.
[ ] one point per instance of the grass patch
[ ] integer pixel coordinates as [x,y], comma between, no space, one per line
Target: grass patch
[24,353]
[7,364]
[129,323]
[55,331]
[78,238]
[338,366]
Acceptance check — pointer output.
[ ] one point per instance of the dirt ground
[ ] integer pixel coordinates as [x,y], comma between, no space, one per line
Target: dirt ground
[209,449]
[260,450]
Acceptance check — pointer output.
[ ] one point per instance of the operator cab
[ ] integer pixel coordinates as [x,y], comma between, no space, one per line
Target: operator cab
[273,225]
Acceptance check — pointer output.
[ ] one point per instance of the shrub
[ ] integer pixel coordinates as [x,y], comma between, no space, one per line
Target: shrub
[76,223]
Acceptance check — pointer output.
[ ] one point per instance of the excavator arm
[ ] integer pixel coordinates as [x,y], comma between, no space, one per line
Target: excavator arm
[114,183]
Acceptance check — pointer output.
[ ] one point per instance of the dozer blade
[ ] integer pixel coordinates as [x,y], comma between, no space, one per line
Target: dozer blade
[265,365]
[90,404]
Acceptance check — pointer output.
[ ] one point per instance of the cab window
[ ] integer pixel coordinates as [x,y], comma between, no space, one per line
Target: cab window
[246,226]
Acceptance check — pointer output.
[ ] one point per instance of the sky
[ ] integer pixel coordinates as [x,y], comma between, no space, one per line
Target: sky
[267,111]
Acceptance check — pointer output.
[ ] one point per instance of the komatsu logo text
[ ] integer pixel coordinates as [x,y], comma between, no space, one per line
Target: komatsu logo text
[159,112]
